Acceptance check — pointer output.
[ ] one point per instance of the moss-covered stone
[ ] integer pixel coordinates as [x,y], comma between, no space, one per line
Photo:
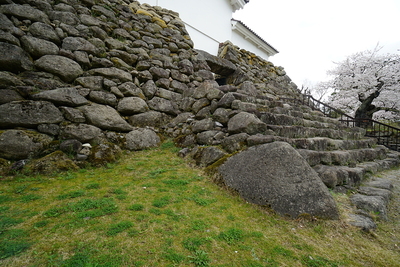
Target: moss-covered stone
[104,153]
[212,169]
[160,22]
[22,144]
[50,164]
[143,12]
[188,140]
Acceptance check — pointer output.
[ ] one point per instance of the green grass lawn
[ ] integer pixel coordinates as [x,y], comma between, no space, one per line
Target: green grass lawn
[152,209]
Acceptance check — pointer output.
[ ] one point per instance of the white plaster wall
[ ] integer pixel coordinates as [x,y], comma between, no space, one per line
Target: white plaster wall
[241,42]
[208,21]
[202,41]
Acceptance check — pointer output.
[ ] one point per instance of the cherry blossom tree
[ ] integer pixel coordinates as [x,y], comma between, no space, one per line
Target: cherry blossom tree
[367,85]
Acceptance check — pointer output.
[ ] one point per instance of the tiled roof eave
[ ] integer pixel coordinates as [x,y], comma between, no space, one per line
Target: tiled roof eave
[247,33]
[238,4]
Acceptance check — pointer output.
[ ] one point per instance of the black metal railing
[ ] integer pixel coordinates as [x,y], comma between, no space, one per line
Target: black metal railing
[386,135]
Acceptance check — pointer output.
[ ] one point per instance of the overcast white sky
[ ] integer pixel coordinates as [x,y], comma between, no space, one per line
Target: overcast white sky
[312,34]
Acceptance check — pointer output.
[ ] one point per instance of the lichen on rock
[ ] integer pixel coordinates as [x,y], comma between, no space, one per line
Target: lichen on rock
[52,163]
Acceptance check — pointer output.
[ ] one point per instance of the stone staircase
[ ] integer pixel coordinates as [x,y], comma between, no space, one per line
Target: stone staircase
[345,157]
[342,156]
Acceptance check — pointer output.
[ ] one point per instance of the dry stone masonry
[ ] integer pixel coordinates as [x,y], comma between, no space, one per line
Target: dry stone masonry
[81,81]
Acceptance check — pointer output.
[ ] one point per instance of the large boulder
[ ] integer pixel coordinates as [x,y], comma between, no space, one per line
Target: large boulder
[226,100]
[129,89]
[63,67]
[105,117]
[247,123]
[44,31]
[25,12]
[276,175]
[18,144]
[205,88]
[218,65]
[13,58]
[248,88]
[38,47]
[62,96]
[149,88]
[28,114]
[39,81]
[73,114]
[163,105]
[151,118]
[203,125]
[142,139]
[92,82]
[85,133]
[112,73]
[78,43]
[102,97]
[9,38]
[132,105]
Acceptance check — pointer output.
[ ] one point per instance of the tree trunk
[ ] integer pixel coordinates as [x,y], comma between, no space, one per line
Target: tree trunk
[366,110]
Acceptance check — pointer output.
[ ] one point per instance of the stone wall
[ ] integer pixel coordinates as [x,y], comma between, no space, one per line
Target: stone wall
[268,79]
[82,80]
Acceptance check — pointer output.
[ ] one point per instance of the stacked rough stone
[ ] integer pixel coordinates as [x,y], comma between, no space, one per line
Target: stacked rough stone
[269,80]
[92,72]
[111,74]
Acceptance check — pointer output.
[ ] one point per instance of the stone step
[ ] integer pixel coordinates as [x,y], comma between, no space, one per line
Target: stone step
[274,106]
[342,178]
[307,113]
[328,144]
[343,157]
[280,113]
[373,197]
[284,119]
[314,143]
[282,107]
[304,132]
[256,99]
